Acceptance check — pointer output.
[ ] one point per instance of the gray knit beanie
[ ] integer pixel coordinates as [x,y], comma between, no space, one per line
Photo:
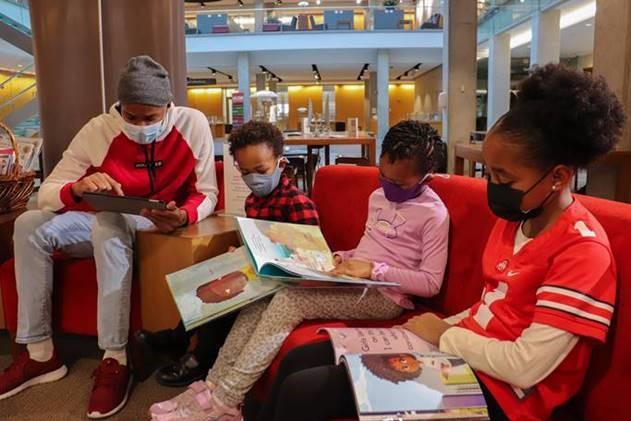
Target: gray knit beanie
[144,81]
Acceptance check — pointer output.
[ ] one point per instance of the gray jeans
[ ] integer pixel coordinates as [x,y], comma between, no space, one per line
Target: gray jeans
[109,237]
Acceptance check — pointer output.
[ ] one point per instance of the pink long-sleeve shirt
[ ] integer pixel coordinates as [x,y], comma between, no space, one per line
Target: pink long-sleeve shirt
[407,243]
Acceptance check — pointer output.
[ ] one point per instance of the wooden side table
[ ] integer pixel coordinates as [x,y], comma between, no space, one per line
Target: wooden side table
[160,254]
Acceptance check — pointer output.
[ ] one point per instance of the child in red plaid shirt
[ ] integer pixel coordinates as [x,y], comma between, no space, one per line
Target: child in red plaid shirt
[257,148]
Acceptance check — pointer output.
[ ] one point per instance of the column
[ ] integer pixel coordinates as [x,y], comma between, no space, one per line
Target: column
[259,15]
[80,48]
[66,52]
[545,46]
[612,60]
[498,78]
[260,81]
[370,100]
[160,35]
[243,73]
[370,17]
[459,71]
[383,96]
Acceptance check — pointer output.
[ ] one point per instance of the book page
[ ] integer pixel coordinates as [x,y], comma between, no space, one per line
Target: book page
[215,287]
[325,279]
[361,340]
[236,191]
[413,386]
[278,243]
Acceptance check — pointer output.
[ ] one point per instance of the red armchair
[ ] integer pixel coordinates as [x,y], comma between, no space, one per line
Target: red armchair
[74,308]
[341,195]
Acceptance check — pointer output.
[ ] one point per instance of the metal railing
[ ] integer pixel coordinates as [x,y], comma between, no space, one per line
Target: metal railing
[312,18]
[501,15]
[17,90]
[16,14]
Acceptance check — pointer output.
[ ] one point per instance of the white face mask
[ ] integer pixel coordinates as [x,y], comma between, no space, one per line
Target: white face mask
[144,134]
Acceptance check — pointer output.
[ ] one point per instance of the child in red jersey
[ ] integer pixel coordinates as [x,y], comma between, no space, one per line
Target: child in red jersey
[550,276]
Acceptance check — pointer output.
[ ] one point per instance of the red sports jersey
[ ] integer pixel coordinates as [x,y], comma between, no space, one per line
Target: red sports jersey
[564,278]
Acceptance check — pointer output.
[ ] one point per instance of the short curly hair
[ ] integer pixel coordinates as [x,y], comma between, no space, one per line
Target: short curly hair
[379,365]
[412,139]
[562,116]
[255,133]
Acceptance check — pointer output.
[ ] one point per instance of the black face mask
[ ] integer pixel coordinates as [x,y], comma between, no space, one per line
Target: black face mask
[505,201]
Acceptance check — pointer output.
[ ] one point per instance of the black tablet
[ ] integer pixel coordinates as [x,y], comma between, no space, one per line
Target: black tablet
[121,204]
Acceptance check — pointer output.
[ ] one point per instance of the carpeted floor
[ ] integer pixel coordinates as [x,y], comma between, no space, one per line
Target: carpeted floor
[66,400]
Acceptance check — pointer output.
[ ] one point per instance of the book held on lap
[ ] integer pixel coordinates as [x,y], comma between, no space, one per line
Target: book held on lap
[293,253]
[216,287]
[274,256]
[397,376]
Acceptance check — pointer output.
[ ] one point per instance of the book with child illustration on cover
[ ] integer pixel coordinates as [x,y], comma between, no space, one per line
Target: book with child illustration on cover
[216,287]
[397,376]
[293,253]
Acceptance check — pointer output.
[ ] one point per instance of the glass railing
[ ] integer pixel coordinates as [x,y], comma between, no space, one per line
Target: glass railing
[500,15]
[312,18]
[17,90]
[16,14]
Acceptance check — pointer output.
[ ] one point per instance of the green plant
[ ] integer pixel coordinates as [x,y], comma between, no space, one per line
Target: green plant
[390,3]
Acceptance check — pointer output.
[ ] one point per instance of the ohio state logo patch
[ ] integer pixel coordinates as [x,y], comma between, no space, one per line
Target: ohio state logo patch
[501,266]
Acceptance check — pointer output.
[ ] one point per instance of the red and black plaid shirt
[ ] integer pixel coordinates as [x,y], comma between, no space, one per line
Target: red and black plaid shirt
[285,204]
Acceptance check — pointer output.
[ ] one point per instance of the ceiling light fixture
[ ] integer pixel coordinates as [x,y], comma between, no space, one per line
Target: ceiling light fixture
[215,71]
[412,70]
[362,71]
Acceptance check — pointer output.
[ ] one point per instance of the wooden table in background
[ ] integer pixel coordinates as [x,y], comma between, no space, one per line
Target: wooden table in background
[367,143]
[620,159]
[471,152]
[160,254]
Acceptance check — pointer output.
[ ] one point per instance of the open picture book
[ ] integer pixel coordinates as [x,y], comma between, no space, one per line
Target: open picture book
[293,253]
[397,376]
[216,287]
[274,256]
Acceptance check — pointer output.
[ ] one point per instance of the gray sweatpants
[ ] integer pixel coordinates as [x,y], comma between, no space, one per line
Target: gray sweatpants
[109,237]
[261,329]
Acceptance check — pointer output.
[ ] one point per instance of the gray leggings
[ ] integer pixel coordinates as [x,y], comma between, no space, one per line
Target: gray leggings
[262,327]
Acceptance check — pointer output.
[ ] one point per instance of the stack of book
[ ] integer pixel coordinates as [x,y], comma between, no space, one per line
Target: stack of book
[237,109]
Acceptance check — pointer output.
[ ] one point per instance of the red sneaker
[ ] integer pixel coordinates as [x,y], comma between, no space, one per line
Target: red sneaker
[112,382]
[25,372]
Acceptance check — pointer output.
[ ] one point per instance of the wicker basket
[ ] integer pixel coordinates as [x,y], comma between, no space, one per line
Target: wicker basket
[17,187]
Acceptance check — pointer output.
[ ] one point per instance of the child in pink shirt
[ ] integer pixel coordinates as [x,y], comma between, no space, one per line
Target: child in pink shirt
[405,242]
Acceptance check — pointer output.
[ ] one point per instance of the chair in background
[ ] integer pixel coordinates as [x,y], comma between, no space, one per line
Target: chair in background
[206,24]
[271,27]
[352,160]
[338,19]
[189,30]
[388,19]
[434,22]
[291,26]
[298,162]
[315,26]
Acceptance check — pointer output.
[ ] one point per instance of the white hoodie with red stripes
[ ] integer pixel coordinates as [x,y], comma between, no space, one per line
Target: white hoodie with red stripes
[178,166]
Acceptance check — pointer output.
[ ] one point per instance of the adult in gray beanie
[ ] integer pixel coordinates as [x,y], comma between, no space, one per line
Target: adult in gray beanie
[144,81]
[143,147]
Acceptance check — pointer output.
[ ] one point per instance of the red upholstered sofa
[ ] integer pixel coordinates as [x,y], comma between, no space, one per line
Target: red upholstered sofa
[74,309]
[341,195]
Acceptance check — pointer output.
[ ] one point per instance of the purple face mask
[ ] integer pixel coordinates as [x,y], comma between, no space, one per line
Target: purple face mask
[396,194]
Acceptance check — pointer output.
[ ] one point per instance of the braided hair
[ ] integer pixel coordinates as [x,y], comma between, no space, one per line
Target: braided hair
[411,139]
